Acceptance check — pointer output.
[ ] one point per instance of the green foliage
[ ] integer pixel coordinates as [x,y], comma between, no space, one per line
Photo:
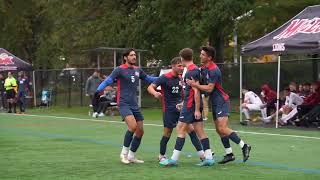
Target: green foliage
[44,31]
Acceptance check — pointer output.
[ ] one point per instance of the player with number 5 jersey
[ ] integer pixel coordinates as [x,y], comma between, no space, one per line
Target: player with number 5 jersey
[127,77]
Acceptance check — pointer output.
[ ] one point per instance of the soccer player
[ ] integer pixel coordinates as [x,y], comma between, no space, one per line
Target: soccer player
[190,114]
[171,93]
[127,76]
[220,104]
[252,102]
[23,88]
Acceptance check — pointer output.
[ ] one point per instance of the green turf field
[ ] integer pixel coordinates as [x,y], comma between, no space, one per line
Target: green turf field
[73,145]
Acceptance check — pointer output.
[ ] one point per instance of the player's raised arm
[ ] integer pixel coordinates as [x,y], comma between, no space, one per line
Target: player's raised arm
[147,78]
[110,80]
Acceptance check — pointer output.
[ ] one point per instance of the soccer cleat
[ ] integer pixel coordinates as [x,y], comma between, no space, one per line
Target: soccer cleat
[124,159]
[246,152]
[100,115]
[168,162]
[136,161]
[95,115]
[244,123]
[162,158]
[207,162]
[227,158]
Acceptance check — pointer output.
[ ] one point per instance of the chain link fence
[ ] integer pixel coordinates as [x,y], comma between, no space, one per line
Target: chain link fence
[67,86]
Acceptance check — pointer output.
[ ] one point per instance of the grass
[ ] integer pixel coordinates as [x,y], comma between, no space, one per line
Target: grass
[76,146]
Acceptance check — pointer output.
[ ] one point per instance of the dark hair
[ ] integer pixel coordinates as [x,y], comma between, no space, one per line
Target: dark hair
[97,70]
[211,51]
[127,52]
[286,89]
[244,87]
[186,54]
[176,60]
[306,84]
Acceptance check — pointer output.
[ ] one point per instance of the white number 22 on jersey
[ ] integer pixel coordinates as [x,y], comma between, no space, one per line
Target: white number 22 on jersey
[175,89]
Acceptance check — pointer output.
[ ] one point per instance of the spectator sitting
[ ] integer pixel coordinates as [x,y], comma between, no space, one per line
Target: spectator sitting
[269,97]
[308,103]
[305,90]
[293,87]
[300,88]
[101,103]
[292,101]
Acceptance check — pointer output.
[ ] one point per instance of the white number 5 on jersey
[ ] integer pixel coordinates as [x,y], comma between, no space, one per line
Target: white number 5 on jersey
[133,79]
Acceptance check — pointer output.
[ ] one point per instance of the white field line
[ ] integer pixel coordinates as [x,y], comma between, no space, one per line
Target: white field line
[160,125]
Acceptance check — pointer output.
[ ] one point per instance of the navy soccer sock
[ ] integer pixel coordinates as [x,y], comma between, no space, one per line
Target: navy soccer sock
[135,143]
[163,145]
[195,140]
[205,144]
[179,143]
[225,142]
[235,138]
[127,138]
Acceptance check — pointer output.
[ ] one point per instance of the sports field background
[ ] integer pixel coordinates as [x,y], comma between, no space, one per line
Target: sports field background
[65,143]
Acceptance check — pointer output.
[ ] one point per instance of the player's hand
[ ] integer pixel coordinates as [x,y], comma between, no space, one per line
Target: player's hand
[179,106]
[197,114]
[244,105]
[157,95]
[192,82]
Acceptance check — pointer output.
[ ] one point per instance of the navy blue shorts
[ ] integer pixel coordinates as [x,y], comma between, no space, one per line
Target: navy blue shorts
[170,119]
[220,110]
[127,111]
[187,116]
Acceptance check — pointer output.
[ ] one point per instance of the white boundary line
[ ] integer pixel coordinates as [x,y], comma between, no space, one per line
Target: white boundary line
[160,125]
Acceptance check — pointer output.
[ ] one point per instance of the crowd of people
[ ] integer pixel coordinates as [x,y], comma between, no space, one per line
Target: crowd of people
[13,92]
[299,105]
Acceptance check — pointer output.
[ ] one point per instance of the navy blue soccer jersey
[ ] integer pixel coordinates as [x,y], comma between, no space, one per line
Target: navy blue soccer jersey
[171,90]
[127,82]
[212,74]
[193,72]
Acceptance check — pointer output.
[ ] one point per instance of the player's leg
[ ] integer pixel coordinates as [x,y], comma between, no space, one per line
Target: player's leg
[246,112]
[208,153]
[163,143]
[205,100]
[132,126]
[136,143]
[181,133]
[229,156]
[139,131]
[224,131]
[195,141]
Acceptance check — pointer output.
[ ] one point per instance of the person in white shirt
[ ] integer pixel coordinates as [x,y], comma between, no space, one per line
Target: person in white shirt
[289,107]
[252,102]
